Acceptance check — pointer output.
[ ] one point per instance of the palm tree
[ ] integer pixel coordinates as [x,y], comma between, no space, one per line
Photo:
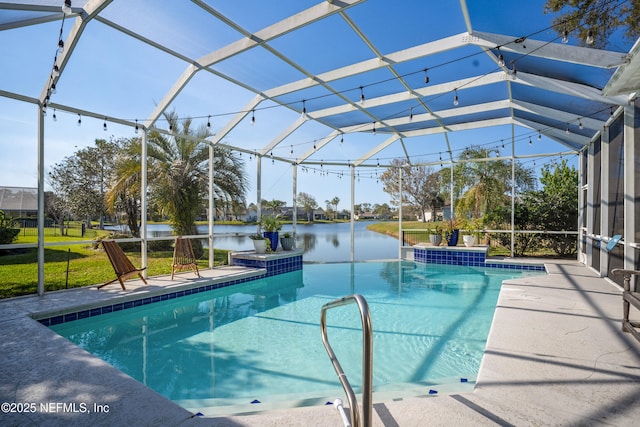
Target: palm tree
[124,191]
[179,171]
[178,175]
[481,185]
[335,202]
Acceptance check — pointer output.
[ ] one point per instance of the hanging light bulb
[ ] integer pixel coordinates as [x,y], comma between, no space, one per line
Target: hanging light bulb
[589,40]
[567,131]
[565,36]
[170,127]
[66,7]
[361,95]
[104,125]
[426,77]
[530,143]
[253,117]
[56,71]
[60,46]
[304,110]
[53,88]
[411,114]
[209,122]
[539,136]
[55,118]
[136,128]
[455,98]
[374,128]
[502,141]
[291,152]
[513,71]
[341,138]
[580,124]
[79,119]
[500,58]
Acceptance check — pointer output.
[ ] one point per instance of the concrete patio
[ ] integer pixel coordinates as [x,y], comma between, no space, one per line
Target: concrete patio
[555,356]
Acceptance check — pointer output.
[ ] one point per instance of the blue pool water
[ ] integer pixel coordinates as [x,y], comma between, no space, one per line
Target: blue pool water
[261,340]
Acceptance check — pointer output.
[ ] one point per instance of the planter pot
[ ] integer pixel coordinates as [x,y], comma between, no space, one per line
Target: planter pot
[260,246]
[287,243]
[435,239]
[469,240]
[452,238]
[273,237]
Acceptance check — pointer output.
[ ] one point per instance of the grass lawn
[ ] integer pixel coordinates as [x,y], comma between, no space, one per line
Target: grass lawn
[87,266]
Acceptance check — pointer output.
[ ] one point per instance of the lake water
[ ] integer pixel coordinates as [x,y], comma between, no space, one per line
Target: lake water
[321,242]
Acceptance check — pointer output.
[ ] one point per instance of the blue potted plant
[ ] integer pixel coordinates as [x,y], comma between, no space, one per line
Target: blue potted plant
[453,230]
[271,226]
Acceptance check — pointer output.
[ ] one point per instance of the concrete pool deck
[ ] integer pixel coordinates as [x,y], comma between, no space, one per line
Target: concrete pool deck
[555,356]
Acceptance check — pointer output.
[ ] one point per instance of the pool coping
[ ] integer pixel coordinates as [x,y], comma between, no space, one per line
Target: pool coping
[549,365]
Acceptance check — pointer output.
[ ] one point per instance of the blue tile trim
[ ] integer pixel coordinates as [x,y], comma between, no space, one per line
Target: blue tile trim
[273,267]
[467,258]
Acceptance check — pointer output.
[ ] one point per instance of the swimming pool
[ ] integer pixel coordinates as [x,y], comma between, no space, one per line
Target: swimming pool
[258,343]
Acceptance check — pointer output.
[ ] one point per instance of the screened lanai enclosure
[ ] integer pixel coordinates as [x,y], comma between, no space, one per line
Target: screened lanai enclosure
[330,92]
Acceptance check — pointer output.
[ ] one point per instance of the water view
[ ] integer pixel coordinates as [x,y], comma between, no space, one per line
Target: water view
[321,242]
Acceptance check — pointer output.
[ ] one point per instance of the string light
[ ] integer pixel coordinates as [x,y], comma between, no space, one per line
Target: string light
[411,114]
[136,129]
[589,40]
[539,135]
[580,124]
[60,46]
[104,125]
[455,98]
[513,71]
[55,119]
[79,119]
[565,36]
[426,77]
[304,110]
[500,58]
[361,95]
[341,138]
[253,117]
[66,7]
[209,121]
[374,128]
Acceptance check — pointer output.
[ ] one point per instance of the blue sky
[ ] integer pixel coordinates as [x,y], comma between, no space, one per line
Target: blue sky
[114,75]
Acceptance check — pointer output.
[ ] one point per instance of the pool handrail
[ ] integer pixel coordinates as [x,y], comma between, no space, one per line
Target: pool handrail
[367,359]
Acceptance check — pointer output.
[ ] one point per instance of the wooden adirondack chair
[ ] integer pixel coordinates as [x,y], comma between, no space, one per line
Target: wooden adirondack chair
[183,257]
[122,266]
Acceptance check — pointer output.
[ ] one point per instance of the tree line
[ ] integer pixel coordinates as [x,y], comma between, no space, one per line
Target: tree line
[482,188]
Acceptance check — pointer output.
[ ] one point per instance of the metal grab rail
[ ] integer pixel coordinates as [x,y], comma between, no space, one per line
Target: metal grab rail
[367,359]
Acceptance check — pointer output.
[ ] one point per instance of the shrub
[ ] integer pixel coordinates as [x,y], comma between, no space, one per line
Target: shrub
[8,229]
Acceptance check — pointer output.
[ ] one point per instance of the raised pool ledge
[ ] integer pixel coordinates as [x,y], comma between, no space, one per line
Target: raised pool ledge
[473,256]
[274,262]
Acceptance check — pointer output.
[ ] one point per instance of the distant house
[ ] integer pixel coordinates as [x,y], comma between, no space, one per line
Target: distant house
[19,202]
[364,216]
